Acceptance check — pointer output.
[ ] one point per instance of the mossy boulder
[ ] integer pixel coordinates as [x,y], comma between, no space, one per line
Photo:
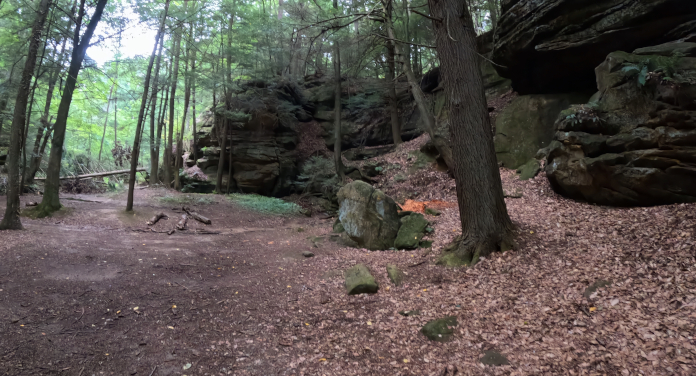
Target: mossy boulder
[433,212]
[395,275]
[369,217]
[411,231]
[440,330]
[529,170]
[360,281]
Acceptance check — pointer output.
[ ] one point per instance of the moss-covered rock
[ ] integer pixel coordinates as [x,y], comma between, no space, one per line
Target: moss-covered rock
[494,358]
[360,281]
[411,231]
[529,170]
[368,216]
[338,227]
[395,275]
[440,330]
[433,212]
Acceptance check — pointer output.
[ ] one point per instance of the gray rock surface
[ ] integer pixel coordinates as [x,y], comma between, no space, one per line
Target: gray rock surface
[369,216]
[552,46]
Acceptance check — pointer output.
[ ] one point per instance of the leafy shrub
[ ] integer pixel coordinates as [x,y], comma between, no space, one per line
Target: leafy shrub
[263,204]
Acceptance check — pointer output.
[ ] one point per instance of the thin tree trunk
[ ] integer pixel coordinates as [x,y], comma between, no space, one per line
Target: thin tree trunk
[493,12]
[222,140]
[161,127]
[187,100]
[153,117]
[141,114]
[11,219]
[486,226]
[39,146]
[338,162]
[51,201]
[193,107]
[106,121]
[391,89]
[167,159]
[428,119]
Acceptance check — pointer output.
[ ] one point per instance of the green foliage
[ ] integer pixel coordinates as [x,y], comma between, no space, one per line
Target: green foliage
[664,66]
[263,204]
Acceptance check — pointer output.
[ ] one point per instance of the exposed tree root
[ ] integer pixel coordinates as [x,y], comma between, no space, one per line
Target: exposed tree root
[468,250]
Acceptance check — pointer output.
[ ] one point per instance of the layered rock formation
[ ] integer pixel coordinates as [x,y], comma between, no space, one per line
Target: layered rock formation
[528,124]
[551,46]
[635,142]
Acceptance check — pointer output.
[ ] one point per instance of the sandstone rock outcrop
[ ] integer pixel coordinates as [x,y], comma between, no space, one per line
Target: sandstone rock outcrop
[551,46]
[527,125]
[634,144]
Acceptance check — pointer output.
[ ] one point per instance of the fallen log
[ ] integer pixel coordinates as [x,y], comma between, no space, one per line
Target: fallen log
[156,218]
[197,216]
[96,175]
[181,226]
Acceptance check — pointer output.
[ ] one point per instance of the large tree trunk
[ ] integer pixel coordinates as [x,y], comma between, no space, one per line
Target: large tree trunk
[338,161]
[11,219]
[51,201]
[167,159]
[486,226]
[222,140]
[141,114]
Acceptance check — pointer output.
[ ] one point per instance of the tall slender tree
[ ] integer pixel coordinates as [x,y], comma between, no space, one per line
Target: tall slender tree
[486,226]
[167,159]
[143,106]
[11,219]
[51,202]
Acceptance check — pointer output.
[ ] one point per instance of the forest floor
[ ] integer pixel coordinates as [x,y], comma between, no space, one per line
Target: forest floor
[88,292]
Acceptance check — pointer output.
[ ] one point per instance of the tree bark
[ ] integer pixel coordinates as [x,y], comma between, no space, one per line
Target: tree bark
[338,161]
[154,164]
[141,115]
[51,201]
[39,146]
[486,226]
[428,119]
[167,159]
[106,121]
[222,140]
[391,89]
[11,219]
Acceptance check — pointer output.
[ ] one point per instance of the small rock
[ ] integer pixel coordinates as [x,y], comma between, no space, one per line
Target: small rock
[360,281]
[593,287]
[494,358]
[425,244]
[395,275]
[307,254]
[529,170]
[409,313]
[510,193]
[411,231]
[440,330]
[338,227]
[431,211]
[324,297]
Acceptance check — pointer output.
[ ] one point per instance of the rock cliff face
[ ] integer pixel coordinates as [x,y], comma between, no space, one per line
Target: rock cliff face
[635,142]
[552,46]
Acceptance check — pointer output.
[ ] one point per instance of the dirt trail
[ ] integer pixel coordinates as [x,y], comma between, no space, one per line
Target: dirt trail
[82,293]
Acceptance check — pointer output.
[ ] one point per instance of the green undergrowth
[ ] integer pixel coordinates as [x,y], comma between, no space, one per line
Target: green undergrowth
[263,204]
[188,199]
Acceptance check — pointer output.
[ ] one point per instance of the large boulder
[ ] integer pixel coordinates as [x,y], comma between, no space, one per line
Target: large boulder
[527,125]
[634,144]
[550,46]
[369,217]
